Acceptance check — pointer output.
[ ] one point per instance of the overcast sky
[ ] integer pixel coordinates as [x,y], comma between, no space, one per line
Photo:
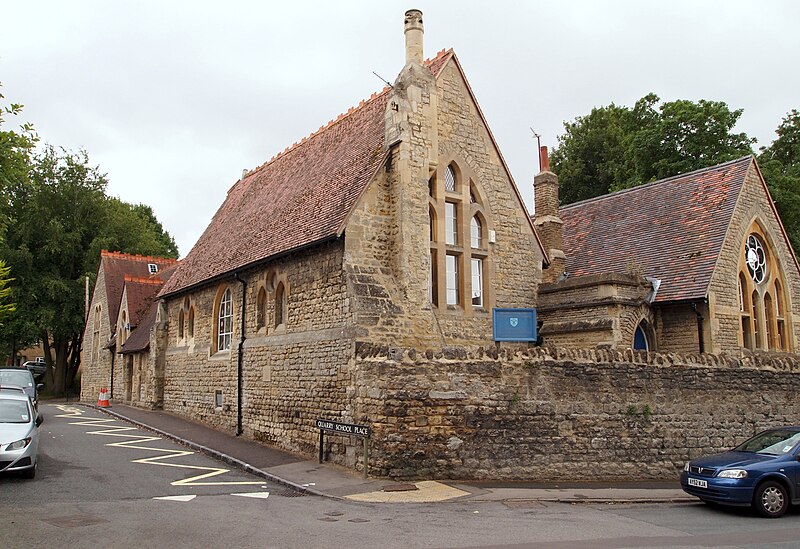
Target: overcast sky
[174,99]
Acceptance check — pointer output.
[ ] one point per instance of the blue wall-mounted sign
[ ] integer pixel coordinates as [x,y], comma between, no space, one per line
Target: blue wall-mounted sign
[514,324]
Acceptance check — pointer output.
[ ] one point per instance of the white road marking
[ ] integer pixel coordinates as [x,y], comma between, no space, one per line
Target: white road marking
[133,440]
[177,498]
[260,495]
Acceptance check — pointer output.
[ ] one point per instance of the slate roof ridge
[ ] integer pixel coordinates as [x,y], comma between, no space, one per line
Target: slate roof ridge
[342,116]
[650,184]
[137,257]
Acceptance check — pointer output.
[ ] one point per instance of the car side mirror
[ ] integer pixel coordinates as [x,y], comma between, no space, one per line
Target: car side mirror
[39,420]
[39,386]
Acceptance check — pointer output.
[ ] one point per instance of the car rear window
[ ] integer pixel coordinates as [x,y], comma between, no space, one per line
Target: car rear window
[16,377]
[14,411]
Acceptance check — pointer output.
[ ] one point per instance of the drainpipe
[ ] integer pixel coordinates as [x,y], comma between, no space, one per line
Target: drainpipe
[113,353]
[240,358]
[699,327]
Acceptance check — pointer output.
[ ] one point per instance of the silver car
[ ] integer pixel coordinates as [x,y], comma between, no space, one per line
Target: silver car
[22,378]
[19,434]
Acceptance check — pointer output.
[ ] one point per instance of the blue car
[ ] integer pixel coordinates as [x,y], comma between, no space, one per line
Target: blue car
[763,472]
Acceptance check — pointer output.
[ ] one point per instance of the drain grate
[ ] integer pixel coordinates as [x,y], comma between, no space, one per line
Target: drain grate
[289,493]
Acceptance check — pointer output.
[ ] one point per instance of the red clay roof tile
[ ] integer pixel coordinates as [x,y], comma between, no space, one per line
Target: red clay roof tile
[670,229]
[299,197]
[116,265]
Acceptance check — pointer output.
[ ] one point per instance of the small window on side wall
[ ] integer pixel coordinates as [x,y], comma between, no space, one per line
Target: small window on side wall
[261,308]
[280,304]
[190,323]
[225,321]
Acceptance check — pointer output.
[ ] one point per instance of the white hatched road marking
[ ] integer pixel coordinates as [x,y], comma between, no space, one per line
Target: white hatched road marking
[260,495]
[177,498]
[134,442]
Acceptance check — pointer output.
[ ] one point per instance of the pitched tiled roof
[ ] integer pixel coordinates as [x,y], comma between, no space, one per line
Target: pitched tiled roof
[140,292]
[116,265]
[670,229]
[139,340]
[300,197]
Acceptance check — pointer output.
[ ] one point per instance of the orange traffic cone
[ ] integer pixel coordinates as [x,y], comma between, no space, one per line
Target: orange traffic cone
[102,400]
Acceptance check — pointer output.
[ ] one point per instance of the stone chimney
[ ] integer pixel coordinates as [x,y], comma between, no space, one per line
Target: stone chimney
[546,220]
[414,31]
[411,139]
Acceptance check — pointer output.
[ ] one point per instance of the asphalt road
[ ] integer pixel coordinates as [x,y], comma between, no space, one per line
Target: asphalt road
[101,483]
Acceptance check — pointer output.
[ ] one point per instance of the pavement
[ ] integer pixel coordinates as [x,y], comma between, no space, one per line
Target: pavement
[330,480]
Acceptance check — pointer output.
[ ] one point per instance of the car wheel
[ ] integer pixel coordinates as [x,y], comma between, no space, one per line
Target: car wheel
[29,473]
[771,500]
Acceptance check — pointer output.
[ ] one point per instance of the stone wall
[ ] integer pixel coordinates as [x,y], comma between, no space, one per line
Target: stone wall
[753,206]
[550,414]
[677,328]
[593,311]
[388,246]
[293,373]
[96,363]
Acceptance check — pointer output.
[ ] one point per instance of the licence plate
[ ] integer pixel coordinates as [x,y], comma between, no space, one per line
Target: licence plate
[697,482]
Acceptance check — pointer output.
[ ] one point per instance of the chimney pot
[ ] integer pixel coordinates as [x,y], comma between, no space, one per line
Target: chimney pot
[544,159]
[414,31]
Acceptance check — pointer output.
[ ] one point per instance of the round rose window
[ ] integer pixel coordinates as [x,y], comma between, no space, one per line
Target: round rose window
[756,258]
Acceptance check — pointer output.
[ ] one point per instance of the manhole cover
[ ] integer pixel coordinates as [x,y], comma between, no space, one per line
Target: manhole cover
[400,487]
[73,521]
[292,494]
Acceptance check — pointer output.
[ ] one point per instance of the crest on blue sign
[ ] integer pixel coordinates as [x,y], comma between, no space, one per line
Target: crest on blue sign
[514,324]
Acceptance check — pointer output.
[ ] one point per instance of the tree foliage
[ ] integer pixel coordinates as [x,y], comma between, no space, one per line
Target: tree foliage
[6,306]
[61,218]
[619,147]
[16,147]
[780,165]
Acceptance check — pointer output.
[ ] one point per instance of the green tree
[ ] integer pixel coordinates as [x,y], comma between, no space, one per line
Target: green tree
[15,153]
[6,307]
[133,229]
[62,217]
[619,147]
[780,164]
[589,156]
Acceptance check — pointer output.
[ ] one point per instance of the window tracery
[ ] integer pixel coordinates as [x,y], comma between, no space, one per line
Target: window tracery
[761,297]
[458,227]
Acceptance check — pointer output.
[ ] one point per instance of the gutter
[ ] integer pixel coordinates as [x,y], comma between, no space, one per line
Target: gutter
[240,357]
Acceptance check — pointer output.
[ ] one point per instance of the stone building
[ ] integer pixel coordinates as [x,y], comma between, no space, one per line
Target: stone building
[698,262]
[107,314]
[396,224]
[354,276]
